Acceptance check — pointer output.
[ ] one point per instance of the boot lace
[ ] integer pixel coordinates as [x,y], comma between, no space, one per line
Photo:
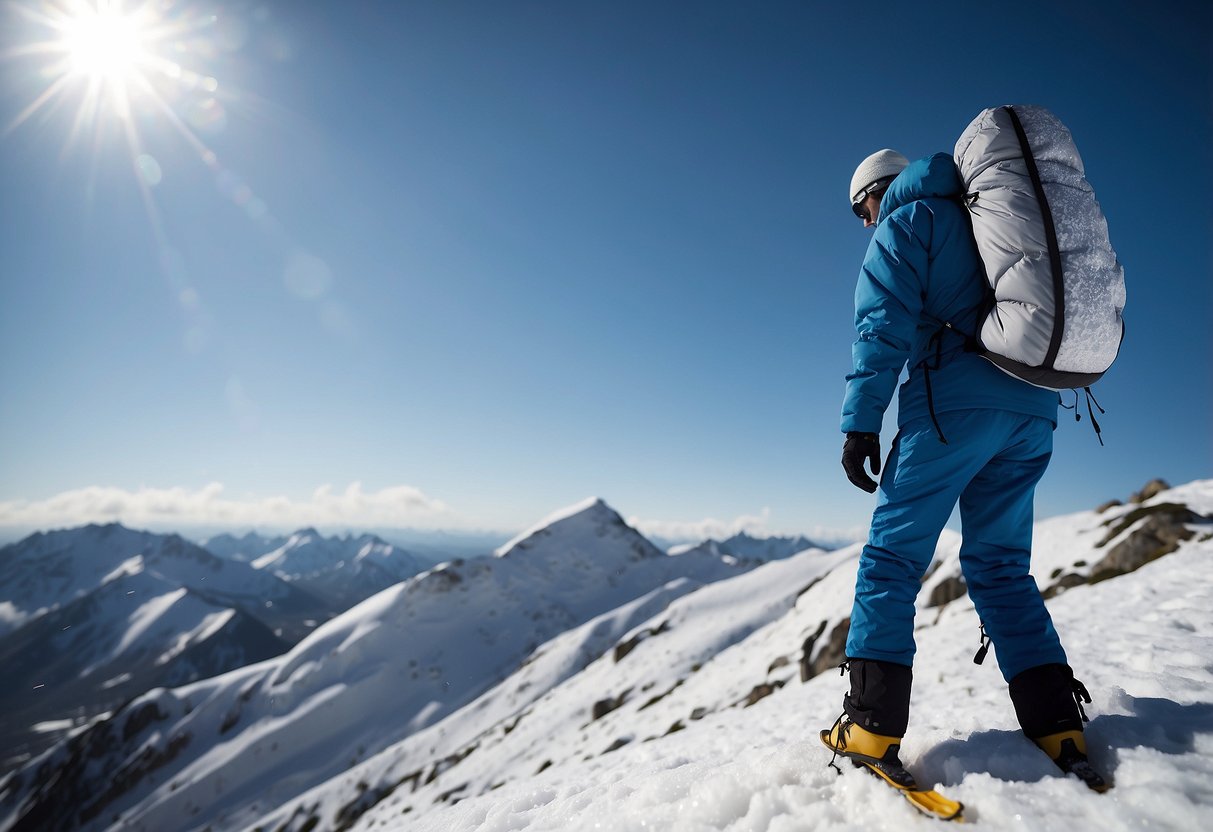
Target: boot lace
[839,729]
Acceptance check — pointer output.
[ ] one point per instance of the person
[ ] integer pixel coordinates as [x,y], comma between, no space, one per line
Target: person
[967,433]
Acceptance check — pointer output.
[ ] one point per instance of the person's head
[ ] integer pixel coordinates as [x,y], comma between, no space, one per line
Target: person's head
[871,180]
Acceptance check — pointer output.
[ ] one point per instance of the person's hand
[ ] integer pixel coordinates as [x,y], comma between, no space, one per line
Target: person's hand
[857,448]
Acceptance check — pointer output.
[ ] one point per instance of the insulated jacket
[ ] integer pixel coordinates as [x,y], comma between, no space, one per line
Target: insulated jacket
[922,270]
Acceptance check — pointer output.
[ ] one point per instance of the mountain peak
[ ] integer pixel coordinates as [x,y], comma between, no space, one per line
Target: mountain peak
[590,511]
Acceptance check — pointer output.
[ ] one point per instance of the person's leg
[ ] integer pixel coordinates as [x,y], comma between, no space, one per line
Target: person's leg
[996,513]
[920,485]
[918,490]
[995,554]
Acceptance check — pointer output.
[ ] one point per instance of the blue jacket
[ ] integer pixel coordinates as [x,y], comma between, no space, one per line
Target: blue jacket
[921,270]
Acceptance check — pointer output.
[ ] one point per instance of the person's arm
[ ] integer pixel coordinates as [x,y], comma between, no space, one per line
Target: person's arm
[888,305]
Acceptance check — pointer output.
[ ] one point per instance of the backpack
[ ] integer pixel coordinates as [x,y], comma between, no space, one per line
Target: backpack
[1058,292]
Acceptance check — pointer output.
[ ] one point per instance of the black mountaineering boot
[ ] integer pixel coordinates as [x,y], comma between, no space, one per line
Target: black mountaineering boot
[1048,705]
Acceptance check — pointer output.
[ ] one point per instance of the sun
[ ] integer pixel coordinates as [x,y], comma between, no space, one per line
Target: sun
[106,44]
[115,58]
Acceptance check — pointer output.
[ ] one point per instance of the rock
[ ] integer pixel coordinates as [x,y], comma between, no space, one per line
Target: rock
[1109,504]
[1159,534]
[761,692]
[1150,489]
[947,590]
[604,706]
[1065,582]
[831,654]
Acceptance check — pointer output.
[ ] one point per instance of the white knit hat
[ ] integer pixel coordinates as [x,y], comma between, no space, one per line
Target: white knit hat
[880,165]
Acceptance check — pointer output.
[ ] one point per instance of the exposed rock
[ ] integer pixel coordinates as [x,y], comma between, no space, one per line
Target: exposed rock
[604,706]
[761,692]
[617,744]
[831,654]
[947,591]
[1150,489]
[1061,585]
[806,653]
[782,661]
[1109,504]
[661,696]
[625,647]
[447,763]
[1160,533]
[1174,514]
[834,652]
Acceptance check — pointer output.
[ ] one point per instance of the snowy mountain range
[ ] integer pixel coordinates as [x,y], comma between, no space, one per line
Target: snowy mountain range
[97,615]
[342,571]
[245,549]
[580,678]
[742,545]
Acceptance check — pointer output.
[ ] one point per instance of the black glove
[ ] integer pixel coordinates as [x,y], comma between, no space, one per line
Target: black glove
[857,448]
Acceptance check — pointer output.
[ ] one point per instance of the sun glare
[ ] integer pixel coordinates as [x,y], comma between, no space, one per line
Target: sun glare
[104,43]
[129,73]
[115,58]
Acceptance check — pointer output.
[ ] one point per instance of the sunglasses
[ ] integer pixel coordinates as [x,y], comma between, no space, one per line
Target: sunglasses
[876,187]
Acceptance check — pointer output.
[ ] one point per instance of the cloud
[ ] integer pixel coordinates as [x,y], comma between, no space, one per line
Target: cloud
[755,525]
[696,530]
[392,507]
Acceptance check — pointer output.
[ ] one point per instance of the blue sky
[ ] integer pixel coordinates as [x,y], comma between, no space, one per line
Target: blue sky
[486,259]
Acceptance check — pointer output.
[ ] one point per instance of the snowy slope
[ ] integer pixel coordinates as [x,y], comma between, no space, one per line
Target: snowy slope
[229,749]
[1141,642]
[608,682]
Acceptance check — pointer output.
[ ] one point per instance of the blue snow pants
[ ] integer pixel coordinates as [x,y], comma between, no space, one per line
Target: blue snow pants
[991,464]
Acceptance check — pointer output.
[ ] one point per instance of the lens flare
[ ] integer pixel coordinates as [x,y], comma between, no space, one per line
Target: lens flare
[104,43]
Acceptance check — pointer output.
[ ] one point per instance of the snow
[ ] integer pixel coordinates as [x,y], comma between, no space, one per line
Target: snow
[145,615]
[208,627]
[11,617]
[1140,642]
[674,701]
[130,566]
[551,519]
[51,725]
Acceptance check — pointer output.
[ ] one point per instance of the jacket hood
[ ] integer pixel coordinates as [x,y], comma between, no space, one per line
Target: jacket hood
[933,176]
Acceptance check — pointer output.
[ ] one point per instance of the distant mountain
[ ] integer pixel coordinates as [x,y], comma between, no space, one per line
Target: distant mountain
[343,571]
[135,632]
[47,570]
[398,662]
[340,570]
[246,548]
[99,614]
[745,547]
